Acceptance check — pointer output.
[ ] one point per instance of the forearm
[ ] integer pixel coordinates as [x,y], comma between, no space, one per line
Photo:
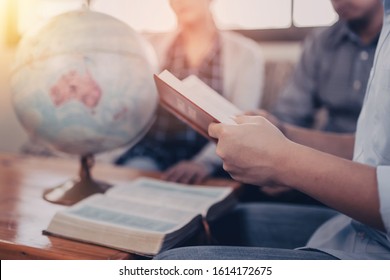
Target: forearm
[346,186]
[339,144]
[256,152]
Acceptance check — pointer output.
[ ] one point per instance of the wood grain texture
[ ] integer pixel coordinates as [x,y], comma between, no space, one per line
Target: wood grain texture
[24,214]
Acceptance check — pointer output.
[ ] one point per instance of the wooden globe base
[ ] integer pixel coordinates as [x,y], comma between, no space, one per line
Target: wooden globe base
[75,190]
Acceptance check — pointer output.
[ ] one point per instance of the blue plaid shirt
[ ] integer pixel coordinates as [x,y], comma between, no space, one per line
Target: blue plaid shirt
[332,74]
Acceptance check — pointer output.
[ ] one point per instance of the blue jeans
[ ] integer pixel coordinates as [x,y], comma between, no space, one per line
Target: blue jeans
[260,231]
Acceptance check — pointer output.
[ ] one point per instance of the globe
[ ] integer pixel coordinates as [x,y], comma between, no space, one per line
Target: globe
[83,83]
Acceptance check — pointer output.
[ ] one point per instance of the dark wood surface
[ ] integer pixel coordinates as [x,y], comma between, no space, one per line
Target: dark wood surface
[24,213]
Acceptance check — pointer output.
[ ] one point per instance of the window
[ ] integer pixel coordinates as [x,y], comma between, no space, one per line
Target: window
[252,14]
[229,14]
[313,13]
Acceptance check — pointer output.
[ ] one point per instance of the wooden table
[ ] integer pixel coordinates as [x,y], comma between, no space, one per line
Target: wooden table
[24,213]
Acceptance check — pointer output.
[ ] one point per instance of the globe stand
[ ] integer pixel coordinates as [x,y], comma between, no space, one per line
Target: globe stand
[75,190]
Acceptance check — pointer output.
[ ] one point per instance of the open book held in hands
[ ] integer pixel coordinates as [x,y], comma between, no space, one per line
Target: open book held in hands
[145,216]
[194,102]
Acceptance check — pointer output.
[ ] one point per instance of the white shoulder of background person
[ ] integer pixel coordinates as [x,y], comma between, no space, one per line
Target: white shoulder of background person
[161,43]
[243,72]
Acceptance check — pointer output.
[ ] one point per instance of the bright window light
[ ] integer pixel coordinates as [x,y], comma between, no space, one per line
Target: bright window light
[313,13]
[252,14]
[35,12]
[142,15]
[157,16]
[138,14]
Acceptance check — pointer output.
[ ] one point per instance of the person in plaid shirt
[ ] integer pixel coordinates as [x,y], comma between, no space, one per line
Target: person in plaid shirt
[229,63]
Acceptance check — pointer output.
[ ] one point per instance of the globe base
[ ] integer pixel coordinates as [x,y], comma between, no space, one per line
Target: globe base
[75,190]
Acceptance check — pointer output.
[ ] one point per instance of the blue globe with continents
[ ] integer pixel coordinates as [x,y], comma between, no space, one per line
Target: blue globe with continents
[83,83]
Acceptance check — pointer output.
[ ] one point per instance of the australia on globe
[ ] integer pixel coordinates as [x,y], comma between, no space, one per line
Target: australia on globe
[83,83]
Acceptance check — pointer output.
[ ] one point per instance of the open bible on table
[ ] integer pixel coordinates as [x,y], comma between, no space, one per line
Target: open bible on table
[144,216]
[194,102]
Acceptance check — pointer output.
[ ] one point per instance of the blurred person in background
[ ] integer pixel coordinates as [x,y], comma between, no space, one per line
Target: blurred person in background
[228,62]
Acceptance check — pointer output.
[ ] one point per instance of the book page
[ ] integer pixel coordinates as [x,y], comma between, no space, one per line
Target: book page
[203,97]
[145,215]
[209,100]
[194,199]
[116,212]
